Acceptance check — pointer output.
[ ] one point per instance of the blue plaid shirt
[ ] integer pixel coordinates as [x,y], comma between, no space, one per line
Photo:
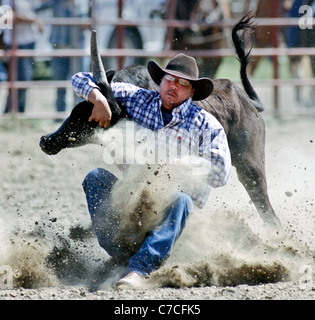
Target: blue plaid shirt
[190,125]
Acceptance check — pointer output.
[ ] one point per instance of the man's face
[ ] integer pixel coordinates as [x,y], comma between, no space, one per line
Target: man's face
[174,91]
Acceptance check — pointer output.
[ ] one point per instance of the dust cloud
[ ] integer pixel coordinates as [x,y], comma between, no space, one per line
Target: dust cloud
[47,239]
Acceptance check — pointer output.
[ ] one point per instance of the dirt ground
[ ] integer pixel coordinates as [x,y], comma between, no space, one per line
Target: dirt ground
[225,252]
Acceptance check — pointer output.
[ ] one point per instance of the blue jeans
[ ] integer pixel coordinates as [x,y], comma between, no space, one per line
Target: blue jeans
[61,71]
[158,244]
[25,73]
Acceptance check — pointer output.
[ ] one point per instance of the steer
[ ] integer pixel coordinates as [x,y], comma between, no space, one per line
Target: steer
[237,110]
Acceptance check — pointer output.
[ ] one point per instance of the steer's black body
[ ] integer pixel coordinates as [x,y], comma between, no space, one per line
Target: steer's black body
[237,110]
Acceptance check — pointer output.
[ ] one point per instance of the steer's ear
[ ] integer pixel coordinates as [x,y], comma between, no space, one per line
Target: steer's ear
[110,75]
[98,70]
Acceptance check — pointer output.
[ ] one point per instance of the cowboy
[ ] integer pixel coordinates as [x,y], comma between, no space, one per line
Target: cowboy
[171,109]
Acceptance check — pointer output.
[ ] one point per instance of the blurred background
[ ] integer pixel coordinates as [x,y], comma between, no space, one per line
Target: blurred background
[43,212]
[48,42]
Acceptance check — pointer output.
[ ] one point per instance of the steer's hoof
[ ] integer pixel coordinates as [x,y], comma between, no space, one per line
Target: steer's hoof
[274,225]
[49,146]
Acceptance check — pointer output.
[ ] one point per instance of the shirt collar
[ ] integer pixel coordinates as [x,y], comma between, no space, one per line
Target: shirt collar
[183,108]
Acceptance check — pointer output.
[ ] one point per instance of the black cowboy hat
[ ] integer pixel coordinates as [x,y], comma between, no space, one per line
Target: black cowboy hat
[185,67]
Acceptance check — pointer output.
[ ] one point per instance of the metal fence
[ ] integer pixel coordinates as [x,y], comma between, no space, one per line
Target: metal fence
[120,53]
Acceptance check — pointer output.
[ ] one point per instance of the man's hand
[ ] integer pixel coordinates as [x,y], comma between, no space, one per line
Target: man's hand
[101,112]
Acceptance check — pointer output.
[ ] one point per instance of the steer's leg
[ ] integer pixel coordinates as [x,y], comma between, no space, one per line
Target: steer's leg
[251,172]
[75,131]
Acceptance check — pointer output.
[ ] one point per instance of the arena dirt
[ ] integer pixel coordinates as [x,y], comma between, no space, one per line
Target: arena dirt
[225,252]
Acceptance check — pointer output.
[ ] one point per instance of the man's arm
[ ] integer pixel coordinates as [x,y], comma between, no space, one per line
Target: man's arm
[84,86]
[126,93]
[101,112]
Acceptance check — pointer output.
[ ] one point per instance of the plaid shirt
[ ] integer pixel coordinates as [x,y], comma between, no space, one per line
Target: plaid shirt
[191,127]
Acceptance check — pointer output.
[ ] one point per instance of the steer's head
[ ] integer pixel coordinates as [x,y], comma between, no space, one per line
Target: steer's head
[101,80]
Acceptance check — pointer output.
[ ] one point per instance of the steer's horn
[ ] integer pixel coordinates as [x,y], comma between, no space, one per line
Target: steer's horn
[98,70]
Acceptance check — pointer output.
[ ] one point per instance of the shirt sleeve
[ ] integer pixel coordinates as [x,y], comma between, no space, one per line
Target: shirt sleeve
[126,93]
[220,160]
[83,83]
[214,147]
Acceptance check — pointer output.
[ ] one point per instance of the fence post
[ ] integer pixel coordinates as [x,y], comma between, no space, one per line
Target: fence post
[170,29]
[275,44]
[120,34]
[13,66]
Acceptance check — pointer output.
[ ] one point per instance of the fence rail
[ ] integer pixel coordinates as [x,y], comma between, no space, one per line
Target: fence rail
[276,51]
[263,52]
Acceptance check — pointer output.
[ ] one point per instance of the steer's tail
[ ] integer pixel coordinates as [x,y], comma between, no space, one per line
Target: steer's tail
[238,37]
